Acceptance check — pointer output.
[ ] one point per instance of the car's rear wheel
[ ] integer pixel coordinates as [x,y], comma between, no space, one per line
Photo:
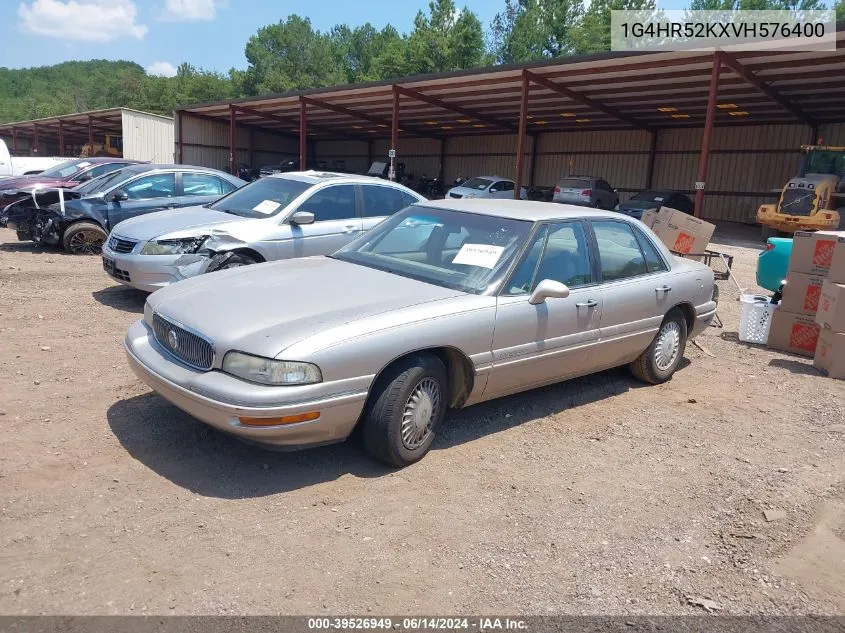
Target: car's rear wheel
[83,238]
[407,405]
[663,356]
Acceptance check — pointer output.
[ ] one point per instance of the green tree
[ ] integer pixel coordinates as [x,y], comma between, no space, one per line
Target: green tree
[840,10]
[447,39]
[592,33]
[361,51]
[756,5]
[290,55]
[535,29]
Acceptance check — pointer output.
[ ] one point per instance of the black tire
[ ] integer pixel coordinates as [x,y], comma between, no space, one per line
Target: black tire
[390,400]
[84,238]
[648,366]
[237,260]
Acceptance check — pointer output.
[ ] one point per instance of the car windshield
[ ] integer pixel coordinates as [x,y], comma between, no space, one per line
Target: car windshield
[63,170]
[262,198]
[479,184]
[573,183]
[101,183]
[825,162]
[651,196]
[463,251]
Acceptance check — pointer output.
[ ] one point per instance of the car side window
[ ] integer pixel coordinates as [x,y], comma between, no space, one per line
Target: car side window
[559,252]
[99,170]
[601,184]
[228,187]
[155,186]
[381,200]
[336,202]
[619,252]
[194,184]
[408,200]
[505,185]
[654,262]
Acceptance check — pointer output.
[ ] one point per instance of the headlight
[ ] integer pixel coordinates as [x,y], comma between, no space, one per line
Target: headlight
[269,371]
[470,195]
[174,247]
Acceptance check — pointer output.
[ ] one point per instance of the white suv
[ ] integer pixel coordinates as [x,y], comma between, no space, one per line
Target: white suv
[296,214]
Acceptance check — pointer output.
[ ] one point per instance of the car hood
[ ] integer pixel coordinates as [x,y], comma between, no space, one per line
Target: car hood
[152,225]
[639,204]
[265,308]
[465,191]
[31,182]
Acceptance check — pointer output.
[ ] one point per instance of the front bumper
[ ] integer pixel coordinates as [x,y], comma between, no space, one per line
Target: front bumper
[822,220]
[144,272]
[219,399]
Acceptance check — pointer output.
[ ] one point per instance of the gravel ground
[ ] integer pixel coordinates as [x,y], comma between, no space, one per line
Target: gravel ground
[600,495]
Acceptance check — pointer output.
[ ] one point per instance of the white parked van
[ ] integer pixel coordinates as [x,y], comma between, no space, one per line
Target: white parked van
[24,165]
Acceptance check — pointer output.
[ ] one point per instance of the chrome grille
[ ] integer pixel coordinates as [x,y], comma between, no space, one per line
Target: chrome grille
[119,245]
[188,347]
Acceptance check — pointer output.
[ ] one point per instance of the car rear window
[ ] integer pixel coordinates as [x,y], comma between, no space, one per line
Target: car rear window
[573,183]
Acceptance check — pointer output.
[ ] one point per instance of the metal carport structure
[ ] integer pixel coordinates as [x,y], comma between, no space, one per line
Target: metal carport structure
[145,136]
[654,107]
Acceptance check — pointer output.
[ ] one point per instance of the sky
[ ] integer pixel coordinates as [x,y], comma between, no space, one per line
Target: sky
[161,34]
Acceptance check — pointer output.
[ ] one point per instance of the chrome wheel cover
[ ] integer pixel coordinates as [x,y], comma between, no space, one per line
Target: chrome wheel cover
[419,413]
[668,345]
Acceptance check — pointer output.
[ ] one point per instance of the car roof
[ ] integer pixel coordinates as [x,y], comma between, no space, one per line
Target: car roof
[489,178]
[144,167]
[100,160]
[530,210]
[316,177]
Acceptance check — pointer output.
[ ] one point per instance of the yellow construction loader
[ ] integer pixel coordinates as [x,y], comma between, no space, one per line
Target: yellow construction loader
[113,146]
[814,199]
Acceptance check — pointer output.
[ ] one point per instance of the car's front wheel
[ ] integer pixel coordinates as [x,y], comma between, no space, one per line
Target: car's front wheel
[237,260]
[660,360]
[84,238]
[407,405]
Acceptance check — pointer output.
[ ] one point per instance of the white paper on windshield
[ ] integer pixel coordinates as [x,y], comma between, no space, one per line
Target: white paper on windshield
[81,165]
[484,255]
[267,207]
[658,199]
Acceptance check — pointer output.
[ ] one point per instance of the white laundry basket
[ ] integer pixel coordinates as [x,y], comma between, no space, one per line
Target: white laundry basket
[755,318]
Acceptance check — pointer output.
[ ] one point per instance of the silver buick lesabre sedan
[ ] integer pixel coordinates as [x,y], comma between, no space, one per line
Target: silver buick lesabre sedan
[278,217]
[443,305]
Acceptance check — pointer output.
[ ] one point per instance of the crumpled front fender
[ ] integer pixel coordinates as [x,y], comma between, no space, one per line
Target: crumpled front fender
[218,249]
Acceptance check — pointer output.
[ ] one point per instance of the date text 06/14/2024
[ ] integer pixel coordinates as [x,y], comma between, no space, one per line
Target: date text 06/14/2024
[417,623]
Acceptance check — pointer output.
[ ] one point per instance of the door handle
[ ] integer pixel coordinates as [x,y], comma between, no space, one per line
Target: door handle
[592,303]
[350,229]
[170,206]
[663,288]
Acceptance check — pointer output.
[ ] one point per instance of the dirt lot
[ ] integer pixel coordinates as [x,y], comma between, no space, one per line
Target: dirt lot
[595,496]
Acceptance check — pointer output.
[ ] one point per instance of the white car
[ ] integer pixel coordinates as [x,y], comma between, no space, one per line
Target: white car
[486,187]
[296,214]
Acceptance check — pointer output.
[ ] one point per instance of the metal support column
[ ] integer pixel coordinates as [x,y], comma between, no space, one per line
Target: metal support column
[34,138]
[303,135]
[15,139]
[233,140]
[61,139]
[180,121]
[533,171]
[814,136]
[394,130]
[442,173]
[708,132]
[520,144]
[649,177]
[90,136]
[369,154]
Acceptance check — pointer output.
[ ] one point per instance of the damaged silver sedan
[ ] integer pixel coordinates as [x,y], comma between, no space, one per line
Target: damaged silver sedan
[296,214]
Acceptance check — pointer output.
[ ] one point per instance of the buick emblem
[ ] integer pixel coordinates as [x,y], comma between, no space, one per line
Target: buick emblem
[173,340]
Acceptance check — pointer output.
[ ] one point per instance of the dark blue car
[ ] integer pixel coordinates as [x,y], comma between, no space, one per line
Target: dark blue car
[81,224]
[653,199]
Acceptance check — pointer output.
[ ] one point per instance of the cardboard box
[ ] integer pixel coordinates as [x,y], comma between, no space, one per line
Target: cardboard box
[812,251]
[837,264]
[801,293]
[682,233]
[830,353]
[648,217]
[796,333]
[831,312]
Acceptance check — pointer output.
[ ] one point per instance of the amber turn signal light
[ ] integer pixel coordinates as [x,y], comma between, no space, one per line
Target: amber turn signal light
[285,419]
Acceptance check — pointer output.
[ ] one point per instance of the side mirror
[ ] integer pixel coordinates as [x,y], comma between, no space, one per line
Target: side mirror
[119,195]
[302,217]
[616,191]
[548,288]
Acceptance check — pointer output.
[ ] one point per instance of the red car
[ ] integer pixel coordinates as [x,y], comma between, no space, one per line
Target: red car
[64,175]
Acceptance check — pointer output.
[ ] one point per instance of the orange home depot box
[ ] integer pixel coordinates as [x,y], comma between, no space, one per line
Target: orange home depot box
[796,333]
[682,233]
[837,264]
[801,293]
[831,312]
[812,252]
[830,353]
